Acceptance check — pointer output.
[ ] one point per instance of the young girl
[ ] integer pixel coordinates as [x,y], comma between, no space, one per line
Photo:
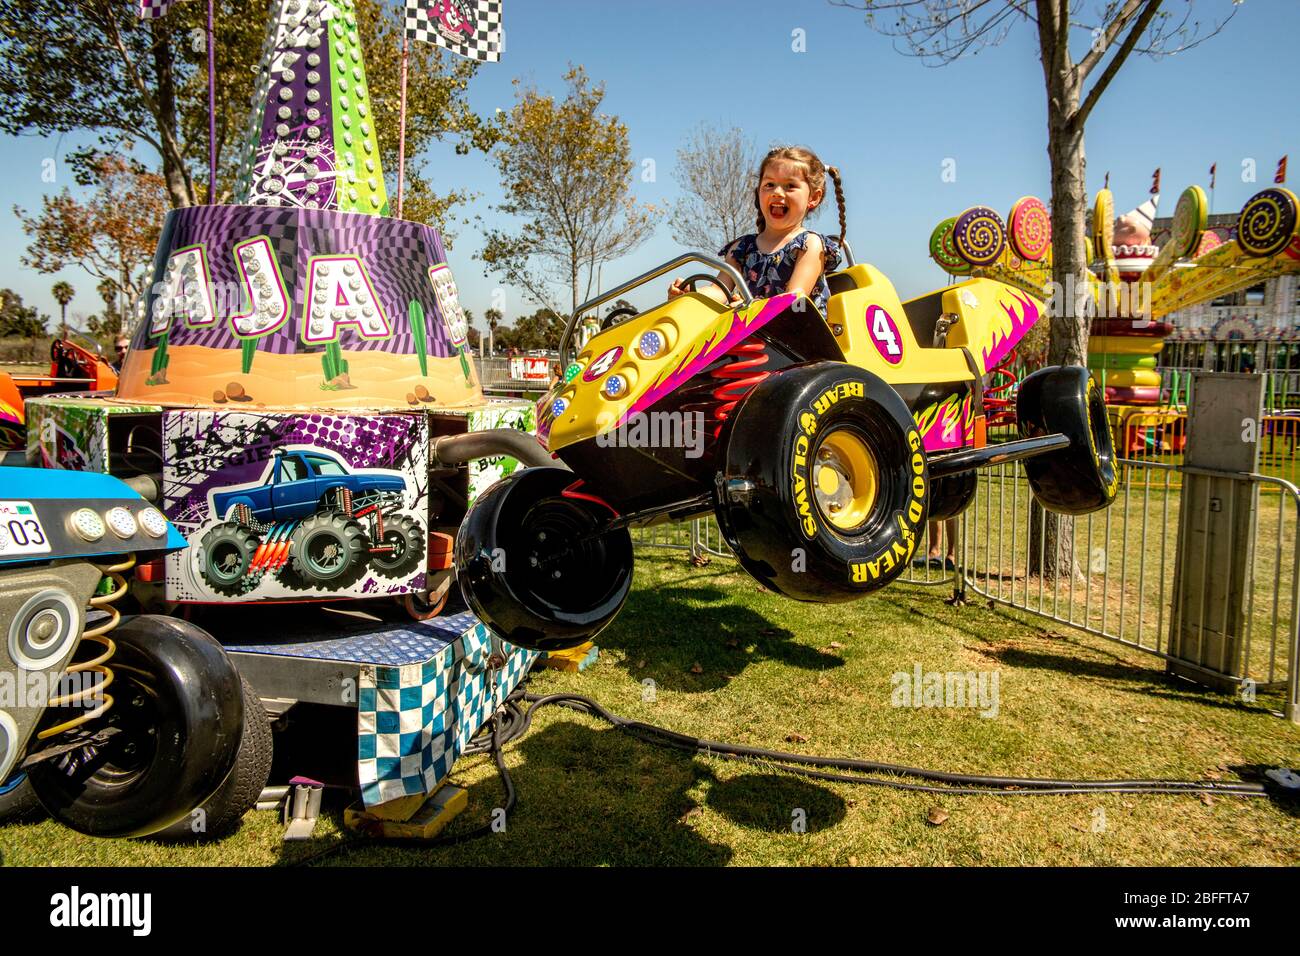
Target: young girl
[784,256]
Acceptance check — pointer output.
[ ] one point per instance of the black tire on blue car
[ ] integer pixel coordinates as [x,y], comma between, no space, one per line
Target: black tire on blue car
[18,803]
[406,537]
[178,718]
[328,550]
[226,553]
[220,814]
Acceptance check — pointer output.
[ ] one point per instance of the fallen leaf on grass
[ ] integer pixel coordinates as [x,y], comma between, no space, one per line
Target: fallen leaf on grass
[690,814]
[1143,720]
[769,632]
[696,668]
[936,816]
[793,738]
[834,646]
[640,664]
[853,861]
[1207,800]
[734,642]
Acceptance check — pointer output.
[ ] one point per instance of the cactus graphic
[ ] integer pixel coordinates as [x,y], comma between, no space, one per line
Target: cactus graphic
[464,366]
[248,348]
[333,362]
[415,314]
[160,356]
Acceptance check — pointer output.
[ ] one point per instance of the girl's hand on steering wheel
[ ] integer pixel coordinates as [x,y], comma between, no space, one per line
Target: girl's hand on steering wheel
[675,289]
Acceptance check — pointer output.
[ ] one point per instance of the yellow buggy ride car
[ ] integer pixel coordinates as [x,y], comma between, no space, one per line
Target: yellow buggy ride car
[822,443]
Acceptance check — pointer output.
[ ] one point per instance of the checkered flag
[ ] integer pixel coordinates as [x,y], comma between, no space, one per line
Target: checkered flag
[471,28]
[153,9]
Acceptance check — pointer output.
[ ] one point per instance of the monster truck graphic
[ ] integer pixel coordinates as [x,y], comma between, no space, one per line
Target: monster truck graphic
[312,523]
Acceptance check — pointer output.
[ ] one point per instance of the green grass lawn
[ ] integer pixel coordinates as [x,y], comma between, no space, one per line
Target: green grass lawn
[733,662]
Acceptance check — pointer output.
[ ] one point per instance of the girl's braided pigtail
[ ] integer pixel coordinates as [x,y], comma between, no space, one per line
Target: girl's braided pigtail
[839,199]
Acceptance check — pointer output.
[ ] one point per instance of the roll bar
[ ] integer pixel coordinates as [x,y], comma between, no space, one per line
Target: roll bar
[654,273]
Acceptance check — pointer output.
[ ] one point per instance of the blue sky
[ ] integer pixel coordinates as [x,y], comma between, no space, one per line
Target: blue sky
[888,121]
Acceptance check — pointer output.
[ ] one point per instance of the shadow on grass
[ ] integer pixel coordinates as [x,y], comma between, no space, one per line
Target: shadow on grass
[670,632]
[776,803]
[587,797]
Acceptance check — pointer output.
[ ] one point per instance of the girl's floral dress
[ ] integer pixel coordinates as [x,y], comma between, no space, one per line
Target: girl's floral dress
[768,273]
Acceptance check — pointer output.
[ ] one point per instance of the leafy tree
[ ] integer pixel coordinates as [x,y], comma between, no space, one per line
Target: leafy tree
[566,171]
[716,171]
[17,319]
[1074,47]
[109,323]
[112,234]
[540,330]
[93,66]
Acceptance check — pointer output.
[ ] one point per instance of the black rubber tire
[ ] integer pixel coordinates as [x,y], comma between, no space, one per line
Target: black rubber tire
[324,530]
[173,679]
[222,811]
[522,600]
[951,495]
[230,539]
[18,803]
[1081,478]
[405,532]
[765,500]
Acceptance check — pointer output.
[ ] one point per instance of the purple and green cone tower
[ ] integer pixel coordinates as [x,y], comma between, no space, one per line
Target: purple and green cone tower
[306,292]
[310,140]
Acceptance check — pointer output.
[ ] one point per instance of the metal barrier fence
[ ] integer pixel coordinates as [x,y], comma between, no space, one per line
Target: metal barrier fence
[1160,436]
[1124,558]
[496,373]
[1281,386]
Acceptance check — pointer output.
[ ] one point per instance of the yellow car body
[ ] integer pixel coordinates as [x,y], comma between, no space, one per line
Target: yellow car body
[614,377]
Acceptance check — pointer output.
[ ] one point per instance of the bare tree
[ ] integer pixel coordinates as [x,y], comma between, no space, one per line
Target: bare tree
[716,170]
[1104,34]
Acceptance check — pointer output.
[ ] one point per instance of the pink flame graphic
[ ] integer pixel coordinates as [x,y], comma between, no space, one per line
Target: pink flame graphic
[695,361]
[1001,343]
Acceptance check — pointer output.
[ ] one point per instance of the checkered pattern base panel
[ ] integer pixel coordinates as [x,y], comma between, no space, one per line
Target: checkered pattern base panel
[414,720]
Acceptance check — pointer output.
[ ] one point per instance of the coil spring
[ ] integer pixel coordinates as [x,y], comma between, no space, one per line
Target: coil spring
[113,573]
[739,376]
[999,405]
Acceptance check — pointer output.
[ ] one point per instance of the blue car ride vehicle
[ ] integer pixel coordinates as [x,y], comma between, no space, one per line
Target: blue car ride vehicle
[300,484]
[313,524]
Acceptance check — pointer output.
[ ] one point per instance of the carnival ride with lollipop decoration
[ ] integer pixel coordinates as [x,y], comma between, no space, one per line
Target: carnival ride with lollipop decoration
[1134,286]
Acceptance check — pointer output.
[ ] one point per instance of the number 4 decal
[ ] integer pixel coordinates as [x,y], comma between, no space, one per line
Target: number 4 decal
[884,334]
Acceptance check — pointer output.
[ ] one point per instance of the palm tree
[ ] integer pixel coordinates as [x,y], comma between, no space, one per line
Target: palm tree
[63,293]
[493,316]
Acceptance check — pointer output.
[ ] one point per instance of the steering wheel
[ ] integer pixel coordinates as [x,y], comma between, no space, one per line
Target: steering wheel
[690,282]
[65,360]
[615,315]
